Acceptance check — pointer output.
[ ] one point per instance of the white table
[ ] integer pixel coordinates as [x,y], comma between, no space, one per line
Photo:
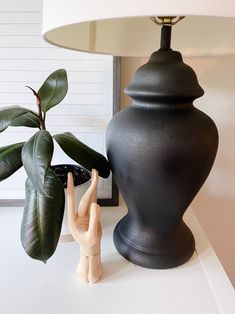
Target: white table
[29,287]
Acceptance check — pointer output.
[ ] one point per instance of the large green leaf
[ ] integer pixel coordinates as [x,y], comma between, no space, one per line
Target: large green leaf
[53,90]
[10,113]
[28,119]
[42,219]
[36,157]
[83,154]
[10,159]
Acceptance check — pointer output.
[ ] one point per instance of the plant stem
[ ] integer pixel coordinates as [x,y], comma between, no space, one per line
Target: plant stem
[42,120]
[38,102]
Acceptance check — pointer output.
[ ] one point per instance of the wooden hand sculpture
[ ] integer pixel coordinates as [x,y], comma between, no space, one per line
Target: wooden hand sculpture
[84,225]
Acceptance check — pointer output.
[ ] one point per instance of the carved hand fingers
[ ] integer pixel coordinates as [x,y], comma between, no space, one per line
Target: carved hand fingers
[71,202]
[94,220]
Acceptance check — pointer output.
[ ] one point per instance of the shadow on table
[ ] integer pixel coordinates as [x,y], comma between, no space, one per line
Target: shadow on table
[115,268]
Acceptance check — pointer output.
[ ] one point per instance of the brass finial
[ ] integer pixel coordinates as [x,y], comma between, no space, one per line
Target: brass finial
[166,20]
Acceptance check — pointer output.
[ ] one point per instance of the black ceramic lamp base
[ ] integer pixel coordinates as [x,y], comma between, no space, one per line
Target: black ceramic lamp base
[161,150]
[152,249]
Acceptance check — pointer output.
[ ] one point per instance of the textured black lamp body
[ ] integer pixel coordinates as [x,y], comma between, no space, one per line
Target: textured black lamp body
[161,150]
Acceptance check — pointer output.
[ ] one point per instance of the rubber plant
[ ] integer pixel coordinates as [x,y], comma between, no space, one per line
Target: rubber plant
[44,192]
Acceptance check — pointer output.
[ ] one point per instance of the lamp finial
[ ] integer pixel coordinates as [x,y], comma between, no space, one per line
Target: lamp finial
[166,20]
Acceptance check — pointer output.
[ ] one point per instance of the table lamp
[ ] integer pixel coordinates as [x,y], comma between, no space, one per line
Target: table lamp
[161,148]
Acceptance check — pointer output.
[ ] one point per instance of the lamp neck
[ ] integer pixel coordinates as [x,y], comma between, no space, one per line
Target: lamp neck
[166,22]
[165,38]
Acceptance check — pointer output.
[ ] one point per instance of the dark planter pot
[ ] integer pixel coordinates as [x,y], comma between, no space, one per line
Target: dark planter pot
[161,150]
[80,174]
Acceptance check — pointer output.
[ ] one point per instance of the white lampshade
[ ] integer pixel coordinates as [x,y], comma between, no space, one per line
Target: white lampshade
[123,27]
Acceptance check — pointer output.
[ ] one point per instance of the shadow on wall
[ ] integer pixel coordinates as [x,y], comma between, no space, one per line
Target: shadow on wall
[215,203]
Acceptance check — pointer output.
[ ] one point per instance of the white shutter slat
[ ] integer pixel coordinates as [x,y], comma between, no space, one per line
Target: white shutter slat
[51,53]
[71,99]
[22,42]
[37,76]
[45,66]
[20,29]
[21,6]
[74,88]
[20,17]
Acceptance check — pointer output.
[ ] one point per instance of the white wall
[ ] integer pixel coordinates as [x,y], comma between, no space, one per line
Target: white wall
[25,59]
[215,203]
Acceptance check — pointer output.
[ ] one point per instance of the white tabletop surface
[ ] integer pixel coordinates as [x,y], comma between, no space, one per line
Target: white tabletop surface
[29,287]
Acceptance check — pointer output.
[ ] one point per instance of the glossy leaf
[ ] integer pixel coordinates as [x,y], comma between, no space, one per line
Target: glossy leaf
[42,219]
[28,119]
[10,113]
[36,157]
[10,159]
[83,154]
[53,90]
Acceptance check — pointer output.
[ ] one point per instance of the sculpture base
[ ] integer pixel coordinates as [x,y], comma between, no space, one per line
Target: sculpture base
[151,248]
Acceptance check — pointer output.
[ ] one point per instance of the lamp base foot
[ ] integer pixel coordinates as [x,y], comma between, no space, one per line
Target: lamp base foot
[152,249]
